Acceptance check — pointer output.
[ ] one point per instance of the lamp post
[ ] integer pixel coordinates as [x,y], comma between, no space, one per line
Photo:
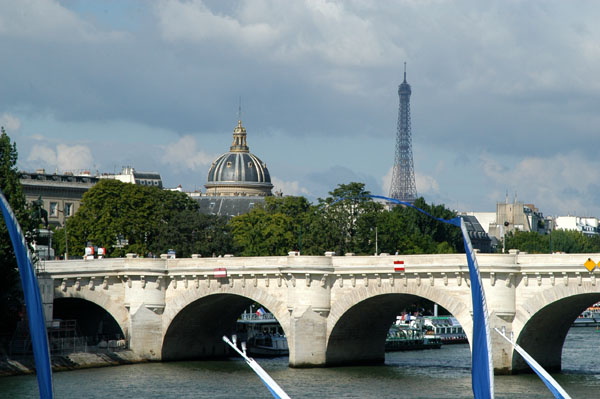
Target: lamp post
[66,240]
[505,225]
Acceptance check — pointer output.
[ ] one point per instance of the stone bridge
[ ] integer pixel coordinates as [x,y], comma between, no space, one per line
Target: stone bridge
[334,310]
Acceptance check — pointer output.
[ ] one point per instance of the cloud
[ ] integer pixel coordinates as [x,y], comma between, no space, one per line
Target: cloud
[64,158]
[564,183]
[286,32]
[184,155]
[48,21]
[10,122]
[194,21]
[288,187]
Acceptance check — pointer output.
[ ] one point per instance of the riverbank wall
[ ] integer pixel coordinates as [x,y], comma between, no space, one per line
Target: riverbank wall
[74,361]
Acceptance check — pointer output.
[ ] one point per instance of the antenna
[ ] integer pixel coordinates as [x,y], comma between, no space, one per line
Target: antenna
[240,110]
[404,71]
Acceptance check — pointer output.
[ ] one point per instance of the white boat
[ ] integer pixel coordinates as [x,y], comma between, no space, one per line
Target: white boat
[263,335]
[447,328]
[589,318]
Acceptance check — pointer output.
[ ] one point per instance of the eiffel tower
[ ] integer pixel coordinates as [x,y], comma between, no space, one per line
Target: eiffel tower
[403,185]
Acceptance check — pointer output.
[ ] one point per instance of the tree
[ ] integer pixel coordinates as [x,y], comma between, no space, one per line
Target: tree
[568,241]
[126,218]
[348,219]
[407,231]
[262,232]
[10,291]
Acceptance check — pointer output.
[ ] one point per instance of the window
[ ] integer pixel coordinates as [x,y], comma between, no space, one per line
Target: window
[250,164]
[68,209]
[53,209]
[229,164]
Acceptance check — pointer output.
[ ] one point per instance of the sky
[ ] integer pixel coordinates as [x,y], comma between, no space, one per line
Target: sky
[505,94]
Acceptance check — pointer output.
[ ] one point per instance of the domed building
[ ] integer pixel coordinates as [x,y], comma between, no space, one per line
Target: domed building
[237,180]
[238,172]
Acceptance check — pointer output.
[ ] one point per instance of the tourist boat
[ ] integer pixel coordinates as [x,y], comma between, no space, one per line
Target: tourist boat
[263,335]
[589,318]
[405,337]
[447,328]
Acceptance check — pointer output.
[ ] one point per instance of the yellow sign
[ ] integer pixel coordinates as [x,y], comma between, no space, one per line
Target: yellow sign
[590,264]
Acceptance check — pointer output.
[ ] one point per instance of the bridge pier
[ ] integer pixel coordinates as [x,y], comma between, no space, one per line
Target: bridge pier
[308,337]
[145,300]
[146,333]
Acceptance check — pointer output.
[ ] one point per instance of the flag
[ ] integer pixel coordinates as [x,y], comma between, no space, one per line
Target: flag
[260,311]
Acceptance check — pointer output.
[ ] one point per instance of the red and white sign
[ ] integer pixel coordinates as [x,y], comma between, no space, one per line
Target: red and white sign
[101,251]
[398,265]
[220,272]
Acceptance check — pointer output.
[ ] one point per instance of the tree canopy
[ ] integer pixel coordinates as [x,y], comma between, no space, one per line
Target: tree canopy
[128,218]
[567,241]
[10,292]
[346,221]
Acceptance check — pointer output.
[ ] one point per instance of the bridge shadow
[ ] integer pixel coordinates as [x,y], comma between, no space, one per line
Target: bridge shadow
[544,334]
[359,336]
[93,321]
[197,330]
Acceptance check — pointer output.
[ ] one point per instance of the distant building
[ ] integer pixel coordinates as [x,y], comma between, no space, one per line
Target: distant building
[517,216]
[479,238]
[61,194]
[585,225]
[237,180]
[130,175]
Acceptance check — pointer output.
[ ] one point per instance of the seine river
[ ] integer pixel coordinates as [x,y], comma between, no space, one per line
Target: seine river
[443,373]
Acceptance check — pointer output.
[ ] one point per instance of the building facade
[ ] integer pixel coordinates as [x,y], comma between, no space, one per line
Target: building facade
[60,194]
[585,225]
[130,175]
[517,216]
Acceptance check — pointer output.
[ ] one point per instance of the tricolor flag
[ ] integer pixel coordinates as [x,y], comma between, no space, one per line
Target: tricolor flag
[260,311]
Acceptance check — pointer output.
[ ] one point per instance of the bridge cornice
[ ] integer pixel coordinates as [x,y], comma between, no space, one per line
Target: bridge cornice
[523,264]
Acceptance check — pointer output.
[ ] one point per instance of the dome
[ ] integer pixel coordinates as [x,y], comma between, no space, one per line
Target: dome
[240,167]
[239,172]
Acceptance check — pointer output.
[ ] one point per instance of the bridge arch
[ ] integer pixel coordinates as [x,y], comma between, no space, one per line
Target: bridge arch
[357,324]
[543,322]
[195,320]
[104,301]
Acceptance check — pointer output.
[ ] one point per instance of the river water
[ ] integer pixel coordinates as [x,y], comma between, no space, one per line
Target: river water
[443,373]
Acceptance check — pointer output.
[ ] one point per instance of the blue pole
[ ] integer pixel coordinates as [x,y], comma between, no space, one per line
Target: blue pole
[33,301]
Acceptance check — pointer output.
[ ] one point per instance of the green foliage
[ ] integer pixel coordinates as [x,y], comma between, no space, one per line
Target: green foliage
[10,292]
[407,231]
[269,229]
[126,218]
[567,241]
[346,221]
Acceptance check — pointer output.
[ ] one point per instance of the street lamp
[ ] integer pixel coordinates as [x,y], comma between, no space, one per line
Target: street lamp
[504,237]
[66,240]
